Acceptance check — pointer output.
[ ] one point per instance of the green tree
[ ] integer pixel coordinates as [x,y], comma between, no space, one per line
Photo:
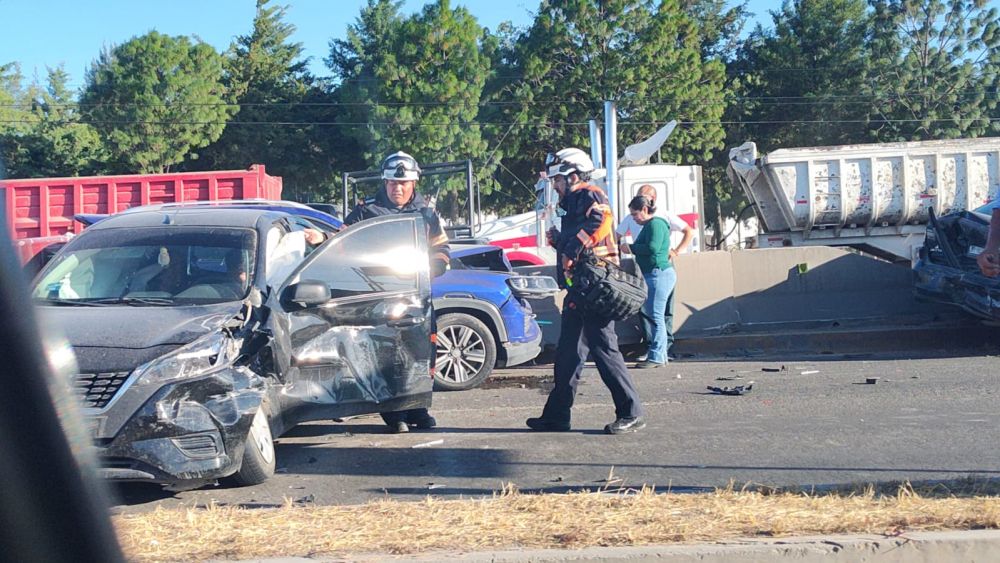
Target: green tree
[155,99]
[266,74]
[804,79]
[413,84]
[14,110]
[644,56]
[719,26]
[56,142]
[934,69]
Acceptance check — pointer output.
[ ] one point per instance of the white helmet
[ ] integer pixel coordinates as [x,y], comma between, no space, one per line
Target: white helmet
[568,161]
[400,166]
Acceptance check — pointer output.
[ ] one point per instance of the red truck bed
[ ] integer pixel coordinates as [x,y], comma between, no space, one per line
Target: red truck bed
[39,211]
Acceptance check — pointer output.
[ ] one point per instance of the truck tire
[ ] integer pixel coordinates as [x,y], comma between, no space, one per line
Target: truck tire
[466,352]
[258,453]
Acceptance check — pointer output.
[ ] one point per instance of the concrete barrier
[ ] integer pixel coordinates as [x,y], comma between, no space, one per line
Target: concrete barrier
[776,290]
[718,292]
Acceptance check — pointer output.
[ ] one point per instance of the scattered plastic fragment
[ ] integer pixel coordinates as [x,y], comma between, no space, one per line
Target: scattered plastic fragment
[435,486]
[810,371]
[871,380]
[729,378]
[736,390]
[428,444]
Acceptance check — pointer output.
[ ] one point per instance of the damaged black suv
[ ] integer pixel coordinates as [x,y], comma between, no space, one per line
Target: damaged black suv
[202,334]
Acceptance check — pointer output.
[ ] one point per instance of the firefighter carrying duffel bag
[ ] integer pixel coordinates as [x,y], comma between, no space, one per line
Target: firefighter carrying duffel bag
[603,289]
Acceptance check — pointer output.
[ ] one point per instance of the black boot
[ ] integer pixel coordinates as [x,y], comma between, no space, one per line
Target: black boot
[545,425]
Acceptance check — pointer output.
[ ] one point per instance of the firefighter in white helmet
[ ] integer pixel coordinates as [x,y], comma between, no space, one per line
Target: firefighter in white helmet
[587,226]
[400,172]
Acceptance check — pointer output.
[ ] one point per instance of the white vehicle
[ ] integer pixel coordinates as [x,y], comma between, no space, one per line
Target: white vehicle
[874,197]
[678,189]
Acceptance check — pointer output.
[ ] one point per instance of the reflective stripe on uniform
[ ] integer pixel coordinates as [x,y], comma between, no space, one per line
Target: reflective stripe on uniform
[439,240]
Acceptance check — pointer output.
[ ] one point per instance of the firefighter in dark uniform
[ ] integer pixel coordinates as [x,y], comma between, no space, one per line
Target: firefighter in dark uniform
[401,172]
[586,226]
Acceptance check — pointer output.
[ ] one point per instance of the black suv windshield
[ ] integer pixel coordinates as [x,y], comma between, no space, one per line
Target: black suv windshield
[151,267]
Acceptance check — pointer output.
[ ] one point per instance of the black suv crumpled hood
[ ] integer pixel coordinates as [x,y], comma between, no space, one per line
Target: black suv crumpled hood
[137,327]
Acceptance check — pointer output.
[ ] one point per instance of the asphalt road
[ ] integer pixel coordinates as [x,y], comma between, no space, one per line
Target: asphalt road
[924,420]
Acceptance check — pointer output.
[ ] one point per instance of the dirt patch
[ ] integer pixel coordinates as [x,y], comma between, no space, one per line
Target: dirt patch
[511,520]
[518,382]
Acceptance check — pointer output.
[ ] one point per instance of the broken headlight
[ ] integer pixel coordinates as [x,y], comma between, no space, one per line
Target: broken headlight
[533,287]
[192,360]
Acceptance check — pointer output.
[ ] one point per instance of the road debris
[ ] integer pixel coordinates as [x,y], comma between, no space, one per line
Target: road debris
[871,380]
[433,486]
[774,370]
[810,372]
[736,390]
[428,444]
[611,478]
[729,378]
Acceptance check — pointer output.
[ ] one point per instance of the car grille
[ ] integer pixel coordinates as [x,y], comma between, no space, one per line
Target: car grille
[97,389]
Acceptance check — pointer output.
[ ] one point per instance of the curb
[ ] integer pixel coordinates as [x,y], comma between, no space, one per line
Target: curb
[920,340]
[979,545]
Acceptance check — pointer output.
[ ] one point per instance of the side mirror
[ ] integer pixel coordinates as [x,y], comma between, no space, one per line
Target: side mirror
[306,293]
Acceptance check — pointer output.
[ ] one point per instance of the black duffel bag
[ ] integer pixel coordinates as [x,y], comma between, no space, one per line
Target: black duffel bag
[603,289]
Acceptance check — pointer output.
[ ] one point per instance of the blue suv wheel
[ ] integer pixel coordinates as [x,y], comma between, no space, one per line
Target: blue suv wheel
[466,352]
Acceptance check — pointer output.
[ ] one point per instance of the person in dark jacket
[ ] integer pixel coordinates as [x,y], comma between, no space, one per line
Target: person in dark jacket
[586,226]
[401,172]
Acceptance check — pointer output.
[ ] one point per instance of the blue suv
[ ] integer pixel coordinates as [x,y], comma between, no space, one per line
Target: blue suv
[484,318]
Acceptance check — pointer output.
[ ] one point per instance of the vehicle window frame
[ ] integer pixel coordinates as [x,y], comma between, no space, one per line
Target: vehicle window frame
[322,249]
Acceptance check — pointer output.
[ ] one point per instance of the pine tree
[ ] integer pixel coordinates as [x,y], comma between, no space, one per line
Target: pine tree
[934,68]
[644,57]
[14,117]
[154,99]
[413,84]
[267,77]
[57,143]
[805,78]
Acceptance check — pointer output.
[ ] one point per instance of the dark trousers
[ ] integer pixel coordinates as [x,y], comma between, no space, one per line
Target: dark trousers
[412,416]
[582,335]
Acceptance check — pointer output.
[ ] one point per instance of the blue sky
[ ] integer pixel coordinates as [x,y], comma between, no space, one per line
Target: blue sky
[37,33]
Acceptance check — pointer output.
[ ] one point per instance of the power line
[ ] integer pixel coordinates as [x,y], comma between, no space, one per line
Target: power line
[789,100]
[503,124]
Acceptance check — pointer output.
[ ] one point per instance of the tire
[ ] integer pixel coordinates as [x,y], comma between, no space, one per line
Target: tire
[258,453]
[466,352]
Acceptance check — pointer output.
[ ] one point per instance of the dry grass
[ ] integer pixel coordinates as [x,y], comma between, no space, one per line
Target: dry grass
[514,520]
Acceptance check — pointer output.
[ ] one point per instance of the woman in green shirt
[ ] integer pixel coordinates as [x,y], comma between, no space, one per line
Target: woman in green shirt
[652,254]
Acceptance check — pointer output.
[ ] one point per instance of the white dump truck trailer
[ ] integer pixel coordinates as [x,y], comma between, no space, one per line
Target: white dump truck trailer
[873,197]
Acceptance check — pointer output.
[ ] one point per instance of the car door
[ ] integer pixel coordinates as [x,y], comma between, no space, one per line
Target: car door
[351,326]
